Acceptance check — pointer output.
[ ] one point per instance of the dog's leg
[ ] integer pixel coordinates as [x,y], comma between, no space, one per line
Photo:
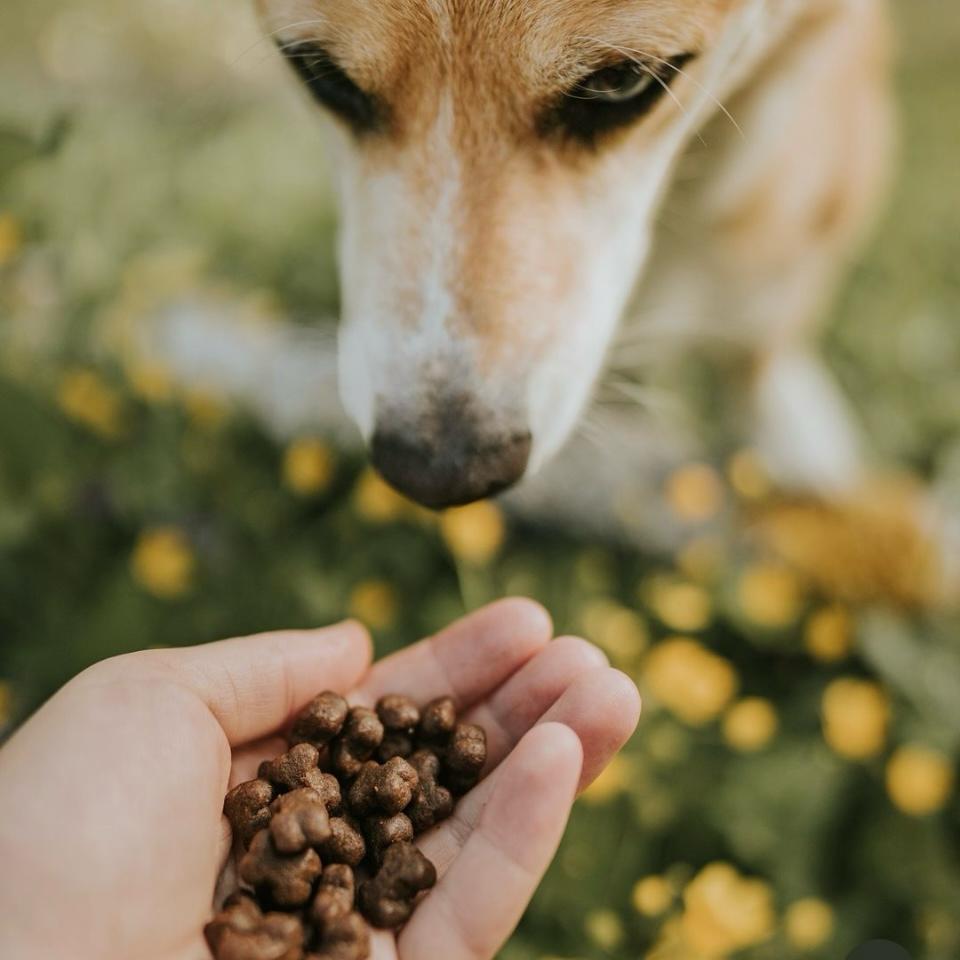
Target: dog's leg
[784,214]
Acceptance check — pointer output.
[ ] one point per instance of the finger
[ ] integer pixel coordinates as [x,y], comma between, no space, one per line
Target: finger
[517,705]
[253,685]
[467,660]
[602,708]
[478,903]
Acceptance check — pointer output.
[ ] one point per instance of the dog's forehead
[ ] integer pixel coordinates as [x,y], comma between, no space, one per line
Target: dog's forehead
[537,40]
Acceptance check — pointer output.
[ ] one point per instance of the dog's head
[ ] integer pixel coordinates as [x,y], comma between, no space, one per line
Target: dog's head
[500,163]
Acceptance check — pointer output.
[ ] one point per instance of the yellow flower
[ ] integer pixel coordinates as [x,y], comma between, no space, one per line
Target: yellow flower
[769,595]
[689,680]
[151,382]
[701,559]
[855,718]
[163,562]
[828,635]
[919,780]
[695,492]
[604,928]
[683,607]
[748,476]
[474,534]
[376,501]
[6,703]
[205,410]
[618,630]
[11,238]
[809,923]
[750,724]
[652,896]
[86,399]
[307,467]
[611,782]
[726,912]
[375,602]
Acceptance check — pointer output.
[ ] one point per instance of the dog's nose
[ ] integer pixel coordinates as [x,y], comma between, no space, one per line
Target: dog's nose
[450,471]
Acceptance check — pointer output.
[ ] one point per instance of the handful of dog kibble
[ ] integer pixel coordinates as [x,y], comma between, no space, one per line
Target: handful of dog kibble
[328,827]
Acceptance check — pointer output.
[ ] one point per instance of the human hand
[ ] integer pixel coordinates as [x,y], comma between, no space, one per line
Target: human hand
[111,830]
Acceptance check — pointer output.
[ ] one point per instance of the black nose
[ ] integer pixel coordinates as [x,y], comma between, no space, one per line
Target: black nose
[453,471]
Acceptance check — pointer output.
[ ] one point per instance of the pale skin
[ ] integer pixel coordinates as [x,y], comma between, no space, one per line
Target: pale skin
[111,831]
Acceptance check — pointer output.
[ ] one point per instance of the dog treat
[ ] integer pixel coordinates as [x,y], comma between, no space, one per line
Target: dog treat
[362,733]
[387,900]
[242,932]
[284,880]
[398,713]
[320,721]
[431,802]
[346,843]
[345,802]
[300,820]
[383,832]
[438,721]
[464,757]
[383,788]
[247,807]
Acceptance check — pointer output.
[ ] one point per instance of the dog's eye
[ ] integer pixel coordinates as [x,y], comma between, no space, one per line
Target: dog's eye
[331,86]
[612,98]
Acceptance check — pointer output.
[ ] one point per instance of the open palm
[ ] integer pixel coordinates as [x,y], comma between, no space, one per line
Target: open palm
[111,832]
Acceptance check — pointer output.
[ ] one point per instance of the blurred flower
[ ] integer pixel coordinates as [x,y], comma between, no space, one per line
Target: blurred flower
[855,718]
[11,238]
[724,913]
[163,562]
[701,559]
[151,382]
[86,399]
[681,606]
[750,724]
[307,467]
[6,703]
[652,896]
[748,476]
[611,782]
[474,534]
[809,923]
[375,603]
[689,680]
[376,501]
[604,928]
[769,595]
[620,631]
[205,410]
[694,492]
[919,780]
[828,635]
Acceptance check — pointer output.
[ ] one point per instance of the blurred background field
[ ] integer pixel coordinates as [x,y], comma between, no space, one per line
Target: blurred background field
[791,790]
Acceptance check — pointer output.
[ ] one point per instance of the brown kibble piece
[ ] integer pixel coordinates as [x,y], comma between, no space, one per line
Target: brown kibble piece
[388,899]
[398,713]
[431,802]
[346,843]
[362,734]
[395,743]
[346,938]
[335,895]
[320,720]
[300,820]
[247,807]
[298,768]
[385,788]
[437,721]
[287,880]
[242,932]
[464,757]
[383,832]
